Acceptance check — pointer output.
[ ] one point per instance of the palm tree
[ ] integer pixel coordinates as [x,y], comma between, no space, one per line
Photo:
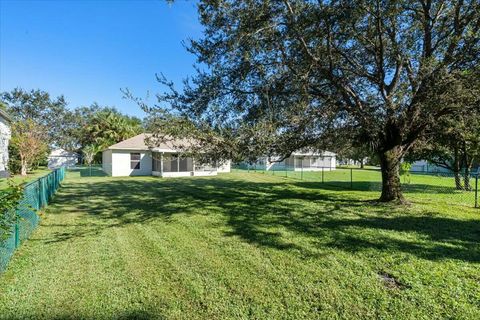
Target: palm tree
[89,153]
[108,127]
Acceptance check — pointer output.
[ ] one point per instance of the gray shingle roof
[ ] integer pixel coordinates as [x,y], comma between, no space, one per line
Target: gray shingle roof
[139,142]
[173,145]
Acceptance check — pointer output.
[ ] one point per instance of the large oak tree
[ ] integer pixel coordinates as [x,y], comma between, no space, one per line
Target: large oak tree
[275,76]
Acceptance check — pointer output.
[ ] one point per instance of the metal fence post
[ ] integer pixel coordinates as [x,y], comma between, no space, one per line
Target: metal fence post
[39,194]
[17,233]
[476,189]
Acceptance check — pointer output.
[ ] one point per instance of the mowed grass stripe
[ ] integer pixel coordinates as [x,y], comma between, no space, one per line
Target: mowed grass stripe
[241,246]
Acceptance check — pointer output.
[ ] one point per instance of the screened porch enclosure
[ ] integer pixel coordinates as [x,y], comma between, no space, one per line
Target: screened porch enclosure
[174,165]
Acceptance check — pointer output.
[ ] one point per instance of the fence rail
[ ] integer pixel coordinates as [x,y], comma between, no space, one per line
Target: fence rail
[36,195]
[441,187]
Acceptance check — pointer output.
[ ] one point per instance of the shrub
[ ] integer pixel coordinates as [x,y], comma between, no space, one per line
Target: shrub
[9,199]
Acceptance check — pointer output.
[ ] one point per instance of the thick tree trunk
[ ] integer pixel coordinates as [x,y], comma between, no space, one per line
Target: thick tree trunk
[362,165]
[390,165]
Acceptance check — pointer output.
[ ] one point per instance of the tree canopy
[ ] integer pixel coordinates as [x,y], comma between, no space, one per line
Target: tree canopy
[96,126]
[29,141]
[276,76]
[453,142]
[40,107]
[107,127]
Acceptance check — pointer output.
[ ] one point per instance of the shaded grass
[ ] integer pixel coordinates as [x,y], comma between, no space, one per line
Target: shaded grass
[417,186]
[242,246]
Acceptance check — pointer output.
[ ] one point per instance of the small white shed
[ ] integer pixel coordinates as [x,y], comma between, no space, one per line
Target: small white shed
[62,158]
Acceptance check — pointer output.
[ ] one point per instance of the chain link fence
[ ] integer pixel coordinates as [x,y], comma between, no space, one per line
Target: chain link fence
[441,187]
[94,170]
[36,195]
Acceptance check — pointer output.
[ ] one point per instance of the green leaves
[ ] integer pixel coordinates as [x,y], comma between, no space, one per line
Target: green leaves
[277,76]
[29,141]
[39,106]
[89,153]
[107,127]
[9,199]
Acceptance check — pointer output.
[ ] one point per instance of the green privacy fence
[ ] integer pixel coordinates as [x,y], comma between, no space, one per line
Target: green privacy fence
[36,195]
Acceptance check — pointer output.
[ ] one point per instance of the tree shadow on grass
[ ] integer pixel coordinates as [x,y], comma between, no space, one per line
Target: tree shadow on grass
[265,214]
[408,188]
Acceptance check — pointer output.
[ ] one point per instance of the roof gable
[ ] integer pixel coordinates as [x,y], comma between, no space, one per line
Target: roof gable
[133,143]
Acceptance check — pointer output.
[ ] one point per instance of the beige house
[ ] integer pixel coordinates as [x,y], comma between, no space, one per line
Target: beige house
[133,157]
[5,134]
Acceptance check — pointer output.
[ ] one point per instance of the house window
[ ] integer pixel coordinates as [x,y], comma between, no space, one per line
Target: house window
[135,161]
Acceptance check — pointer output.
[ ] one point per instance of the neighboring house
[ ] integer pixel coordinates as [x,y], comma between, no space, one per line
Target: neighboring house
[62,158]
[351,162]
[5,135]
[427,167]
[298,161]
[132,157]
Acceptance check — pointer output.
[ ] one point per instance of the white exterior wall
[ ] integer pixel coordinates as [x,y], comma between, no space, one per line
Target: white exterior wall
[60,157]
[57,162]
[184,174]
[5,134]
[310,163]
[333,163]
[224,167]
[107,162]
[121,163]
[116,163]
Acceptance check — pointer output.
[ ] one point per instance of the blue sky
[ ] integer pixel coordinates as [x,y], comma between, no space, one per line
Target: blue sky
[88,50]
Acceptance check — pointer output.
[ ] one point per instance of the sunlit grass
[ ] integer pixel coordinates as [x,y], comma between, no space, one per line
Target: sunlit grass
[243,245]
[33,175]
[418,187]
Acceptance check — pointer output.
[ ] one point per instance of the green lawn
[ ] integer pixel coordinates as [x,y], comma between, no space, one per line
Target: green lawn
[243,245]
[426,188]
[40,172]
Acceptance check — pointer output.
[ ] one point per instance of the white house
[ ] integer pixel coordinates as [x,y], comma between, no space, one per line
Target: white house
[60,157]
[298,161]
[133,157]
[427,167]
[5,134]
